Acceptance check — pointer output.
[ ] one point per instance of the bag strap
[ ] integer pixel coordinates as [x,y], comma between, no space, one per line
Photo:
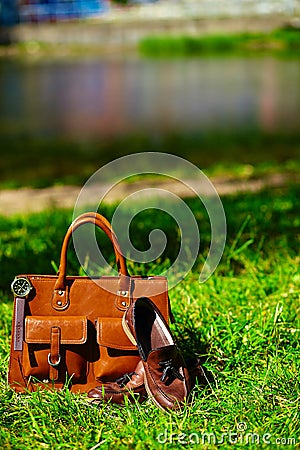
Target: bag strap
[60,299]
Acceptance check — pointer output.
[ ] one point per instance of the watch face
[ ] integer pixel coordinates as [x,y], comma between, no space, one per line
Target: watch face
[21,287]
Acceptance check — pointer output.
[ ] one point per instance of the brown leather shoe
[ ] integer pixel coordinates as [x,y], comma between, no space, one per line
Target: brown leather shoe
[166,376]
[130,385]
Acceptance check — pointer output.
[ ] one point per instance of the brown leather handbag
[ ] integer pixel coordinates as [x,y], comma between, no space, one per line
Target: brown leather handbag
[67,330]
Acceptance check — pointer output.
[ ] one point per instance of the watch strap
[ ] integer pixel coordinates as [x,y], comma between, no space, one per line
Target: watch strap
[19,323]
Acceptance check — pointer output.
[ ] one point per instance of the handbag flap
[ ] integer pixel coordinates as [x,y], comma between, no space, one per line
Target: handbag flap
[110,333]
[73,329]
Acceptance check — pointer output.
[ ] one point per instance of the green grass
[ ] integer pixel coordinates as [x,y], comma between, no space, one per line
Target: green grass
[283,42]
[243,323]
[246,153]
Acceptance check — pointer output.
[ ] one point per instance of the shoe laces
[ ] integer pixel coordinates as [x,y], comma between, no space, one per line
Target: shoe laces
[169,370]
[124,379]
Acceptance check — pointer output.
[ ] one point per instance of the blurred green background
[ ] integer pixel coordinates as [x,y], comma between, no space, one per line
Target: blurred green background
[227,102]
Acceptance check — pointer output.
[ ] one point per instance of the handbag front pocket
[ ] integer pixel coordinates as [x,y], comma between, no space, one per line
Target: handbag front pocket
[117,354]
[55,348]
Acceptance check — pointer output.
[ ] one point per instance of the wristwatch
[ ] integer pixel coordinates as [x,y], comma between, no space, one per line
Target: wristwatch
[21,287]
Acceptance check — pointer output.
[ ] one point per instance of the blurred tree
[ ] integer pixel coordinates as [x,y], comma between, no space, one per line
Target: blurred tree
[121,2]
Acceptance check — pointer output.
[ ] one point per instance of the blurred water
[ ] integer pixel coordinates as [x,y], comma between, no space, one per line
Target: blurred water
[95,98]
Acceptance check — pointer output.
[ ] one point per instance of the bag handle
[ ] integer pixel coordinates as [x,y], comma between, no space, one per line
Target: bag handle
[101,222]
[60,299]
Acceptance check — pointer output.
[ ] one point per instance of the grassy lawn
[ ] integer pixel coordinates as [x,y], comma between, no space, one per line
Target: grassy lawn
[243,323]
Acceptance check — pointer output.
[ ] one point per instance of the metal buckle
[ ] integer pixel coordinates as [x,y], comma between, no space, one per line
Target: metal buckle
[53,364]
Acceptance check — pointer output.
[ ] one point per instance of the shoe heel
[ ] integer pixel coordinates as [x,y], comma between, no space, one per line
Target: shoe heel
[128,332]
